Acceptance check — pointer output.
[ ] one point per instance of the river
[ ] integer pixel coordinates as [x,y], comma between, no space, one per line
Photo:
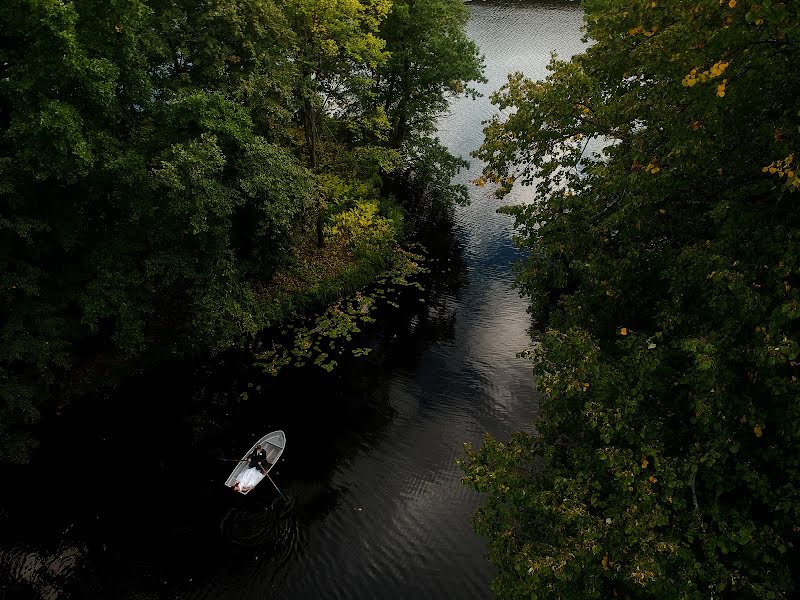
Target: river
[133,507]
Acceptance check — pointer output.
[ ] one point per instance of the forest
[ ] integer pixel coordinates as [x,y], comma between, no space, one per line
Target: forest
[176,176]
[664,276]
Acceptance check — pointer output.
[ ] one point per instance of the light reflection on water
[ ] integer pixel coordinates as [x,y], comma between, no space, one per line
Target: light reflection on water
[413,538]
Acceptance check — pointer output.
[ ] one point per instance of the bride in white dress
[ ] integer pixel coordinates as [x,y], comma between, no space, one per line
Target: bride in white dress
[248,479]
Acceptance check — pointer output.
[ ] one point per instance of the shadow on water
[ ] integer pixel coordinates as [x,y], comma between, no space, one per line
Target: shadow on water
[126,498]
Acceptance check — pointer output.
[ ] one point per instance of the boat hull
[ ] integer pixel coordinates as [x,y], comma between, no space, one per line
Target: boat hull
[274,443]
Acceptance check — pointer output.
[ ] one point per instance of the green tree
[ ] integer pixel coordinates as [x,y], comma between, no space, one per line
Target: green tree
[664,273]
[138,201]
[337,49]
[59,100]
[238,48]
[431,60]
[162,160]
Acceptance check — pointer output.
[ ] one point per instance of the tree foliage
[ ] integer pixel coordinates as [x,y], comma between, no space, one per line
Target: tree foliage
[664,273]
[154,177]
[337,48]
[431,60]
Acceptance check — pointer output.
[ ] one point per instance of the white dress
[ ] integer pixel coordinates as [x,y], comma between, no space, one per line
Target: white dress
[249,478]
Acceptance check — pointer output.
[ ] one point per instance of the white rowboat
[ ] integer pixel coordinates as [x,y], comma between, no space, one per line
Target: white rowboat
[273,443]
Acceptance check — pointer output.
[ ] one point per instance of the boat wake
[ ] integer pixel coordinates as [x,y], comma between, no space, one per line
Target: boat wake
[261,524]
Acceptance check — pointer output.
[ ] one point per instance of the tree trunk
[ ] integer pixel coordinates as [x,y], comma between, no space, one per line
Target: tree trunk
[310,129]
[401,116]
[399,133]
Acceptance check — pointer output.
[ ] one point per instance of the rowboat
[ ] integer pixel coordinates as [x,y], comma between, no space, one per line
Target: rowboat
[273,443]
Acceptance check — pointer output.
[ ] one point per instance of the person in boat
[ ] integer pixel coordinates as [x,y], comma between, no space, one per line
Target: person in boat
[257,459]
[254,472]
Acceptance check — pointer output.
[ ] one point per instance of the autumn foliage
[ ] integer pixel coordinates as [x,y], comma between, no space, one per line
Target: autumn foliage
[664,274]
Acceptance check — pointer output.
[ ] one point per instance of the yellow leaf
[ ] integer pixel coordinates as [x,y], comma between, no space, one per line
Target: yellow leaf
[645,462]
[605,562]
[623,331]
[652,479]
[757,430]
[732,3]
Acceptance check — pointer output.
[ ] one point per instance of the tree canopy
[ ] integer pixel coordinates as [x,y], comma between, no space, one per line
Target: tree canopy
[162,160]
[663,269]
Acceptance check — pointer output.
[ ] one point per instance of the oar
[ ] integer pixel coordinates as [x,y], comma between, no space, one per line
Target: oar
[276,487]
[233,459]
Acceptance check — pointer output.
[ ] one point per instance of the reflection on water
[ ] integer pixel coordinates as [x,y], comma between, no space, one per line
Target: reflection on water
[135,503]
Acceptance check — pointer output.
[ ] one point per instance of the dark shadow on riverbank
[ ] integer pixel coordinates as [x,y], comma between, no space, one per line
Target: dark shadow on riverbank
[126,492]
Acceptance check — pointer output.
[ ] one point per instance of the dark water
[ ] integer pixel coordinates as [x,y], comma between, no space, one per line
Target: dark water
[133,506]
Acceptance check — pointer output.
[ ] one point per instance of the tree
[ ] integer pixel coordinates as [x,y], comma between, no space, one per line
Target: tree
[130,164]
[663,272]
[238,48]
[337,48]
[59,99]
[431,60]
[153,179]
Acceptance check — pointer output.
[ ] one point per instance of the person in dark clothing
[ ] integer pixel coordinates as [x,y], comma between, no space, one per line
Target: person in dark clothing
[257,458]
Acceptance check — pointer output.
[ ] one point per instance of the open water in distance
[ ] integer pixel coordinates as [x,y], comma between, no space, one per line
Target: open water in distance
[127,501]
